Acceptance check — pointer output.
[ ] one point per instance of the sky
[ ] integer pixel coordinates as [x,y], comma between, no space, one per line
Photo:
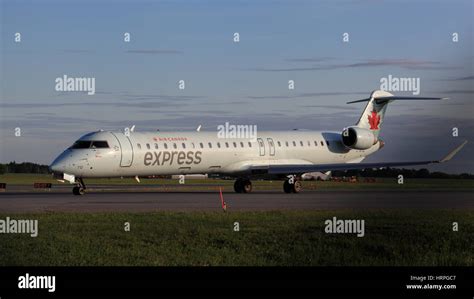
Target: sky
[245,82]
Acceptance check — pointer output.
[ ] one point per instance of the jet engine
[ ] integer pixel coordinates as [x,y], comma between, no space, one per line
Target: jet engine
[358,138]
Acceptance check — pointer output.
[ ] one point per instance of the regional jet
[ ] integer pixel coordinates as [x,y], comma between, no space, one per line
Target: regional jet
[285,155]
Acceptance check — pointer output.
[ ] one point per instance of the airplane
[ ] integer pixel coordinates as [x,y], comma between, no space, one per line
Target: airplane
[285,155]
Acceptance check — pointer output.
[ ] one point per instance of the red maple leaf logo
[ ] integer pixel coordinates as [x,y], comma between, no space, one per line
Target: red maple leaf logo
[374,120]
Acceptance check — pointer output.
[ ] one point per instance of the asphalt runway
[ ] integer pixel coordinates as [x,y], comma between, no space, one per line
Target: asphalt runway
[132,201]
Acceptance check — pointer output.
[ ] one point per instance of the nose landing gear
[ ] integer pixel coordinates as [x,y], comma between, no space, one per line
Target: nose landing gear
[80,189]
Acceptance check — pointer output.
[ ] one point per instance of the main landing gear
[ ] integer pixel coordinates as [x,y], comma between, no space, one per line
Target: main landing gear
[80,189]
[292,185]
[243,186]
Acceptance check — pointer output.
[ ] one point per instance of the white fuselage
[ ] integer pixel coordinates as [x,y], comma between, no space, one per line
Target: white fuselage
[168,153]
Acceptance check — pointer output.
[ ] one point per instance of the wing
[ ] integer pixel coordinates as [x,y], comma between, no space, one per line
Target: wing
[304,168]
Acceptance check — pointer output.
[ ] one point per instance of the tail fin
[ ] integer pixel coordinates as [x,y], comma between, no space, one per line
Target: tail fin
[374,112]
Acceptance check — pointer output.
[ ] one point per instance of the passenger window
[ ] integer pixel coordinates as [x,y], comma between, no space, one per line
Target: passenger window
[322,143]
[294,143]
[301,143]
[148,146]
[166,145]
[279,143]
[309,143]
[175,146]
[156,145]
[219,145]
[139,146]
[235,144]
[227,144]
[250,144]
[210,145]
[184,145]
[201,145]
[286,142]
[241,144]
[315,143]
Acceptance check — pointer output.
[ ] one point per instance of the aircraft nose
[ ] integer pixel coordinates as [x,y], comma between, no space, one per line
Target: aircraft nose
[58,165]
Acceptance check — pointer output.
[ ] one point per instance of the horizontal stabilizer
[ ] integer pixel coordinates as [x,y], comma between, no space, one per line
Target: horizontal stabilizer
[380,100]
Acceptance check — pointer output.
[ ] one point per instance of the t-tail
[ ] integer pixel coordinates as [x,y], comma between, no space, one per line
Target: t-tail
[366,132]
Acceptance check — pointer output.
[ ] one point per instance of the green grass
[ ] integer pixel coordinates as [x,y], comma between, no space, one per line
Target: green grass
[382,183]
[290,238]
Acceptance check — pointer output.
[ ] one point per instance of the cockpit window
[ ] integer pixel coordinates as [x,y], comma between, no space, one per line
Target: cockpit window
[100,144]
[81,144]
[89,144]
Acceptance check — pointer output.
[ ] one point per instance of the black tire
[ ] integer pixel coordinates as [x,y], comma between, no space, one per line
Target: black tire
[238,186]
[78,190]
[246,186]
[287,187]
[296,187]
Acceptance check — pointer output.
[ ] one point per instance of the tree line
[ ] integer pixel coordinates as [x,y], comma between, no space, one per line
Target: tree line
[25,167]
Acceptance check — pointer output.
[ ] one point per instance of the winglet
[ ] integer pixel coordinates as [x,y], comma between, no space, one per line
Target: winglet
[453,152]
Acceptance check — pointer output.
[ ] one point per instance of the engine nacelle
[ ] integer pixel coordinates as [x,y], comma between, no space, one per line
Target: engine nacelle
[358,138]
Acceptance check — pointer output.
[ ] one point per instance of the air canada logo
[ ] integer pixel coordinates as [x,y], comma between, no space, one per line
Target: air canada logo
[374,120]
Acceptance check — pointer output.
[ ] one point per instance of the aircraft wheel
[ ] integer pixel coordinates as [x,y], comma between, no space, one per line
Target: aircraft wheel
[238,186]
[287,186]
[78,190]
[246,186]
[297,187]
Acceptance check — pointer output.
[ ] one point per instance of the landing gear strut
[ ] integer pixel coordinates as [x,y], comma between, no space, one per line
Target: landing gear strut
[80,189]
[243,186]
[292,185]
